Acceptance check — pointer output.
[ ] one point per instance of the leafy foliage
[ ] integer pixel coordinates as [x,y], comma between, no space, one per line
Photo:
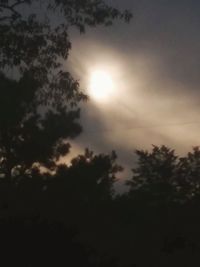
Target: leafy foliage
[156,223]
[90,177]
[158,216]
[162,173]
[39,103]
[33,39]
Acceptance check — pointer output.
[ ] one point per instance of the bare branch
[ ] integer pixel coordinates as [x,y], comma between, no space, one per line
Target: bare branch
[18,3]
[10,8]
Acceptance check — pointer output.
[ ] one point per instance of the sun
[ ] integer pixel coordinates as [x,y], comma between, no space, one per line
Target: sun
[101,85]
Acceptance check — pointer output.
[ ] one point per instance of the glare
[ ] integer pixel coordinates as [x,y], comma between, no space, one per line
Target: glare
[101,85]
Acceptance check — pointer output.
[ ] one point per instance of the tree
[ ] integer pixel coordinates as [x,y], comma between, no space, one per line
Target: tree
[39,106]
[27,137]
[76,192]
[188,174]
[39,113]
[95,173]
[161,209]
[78,195]
[155,174]
[38,39]
[164,175]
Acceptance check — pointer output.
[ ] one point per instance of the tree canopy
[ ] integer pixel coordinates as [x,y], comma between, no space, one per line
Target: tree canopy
[39,103]
[162,173]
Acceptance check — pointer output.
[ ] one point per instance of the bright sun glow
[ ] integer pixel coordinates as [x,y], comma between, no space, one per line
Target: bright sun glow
[101,85]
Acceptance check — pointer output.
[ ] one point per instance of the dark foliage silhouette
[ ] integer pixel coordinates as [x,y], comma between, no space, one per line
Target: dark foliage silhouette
[27,137]
[31,206]
[39,101]
[172,178]
[39,113]
[156,223]
[162,207]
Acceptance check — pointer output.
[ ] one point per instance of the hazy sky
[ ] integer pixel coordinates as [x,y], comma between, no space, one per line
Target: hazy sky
[155,63]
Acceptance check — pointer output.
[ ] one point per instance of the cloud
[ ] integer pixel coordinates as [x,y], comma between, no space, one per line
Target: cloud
[155,61]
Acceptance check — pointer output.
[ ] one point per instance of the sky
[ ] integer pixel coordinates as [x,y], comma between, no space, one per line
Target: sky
[154,63]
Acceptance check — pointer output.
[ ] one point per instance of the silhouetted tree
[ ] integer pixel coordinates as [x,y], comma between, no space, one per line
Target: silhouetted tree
[35,34]
[39,107]
[188,174]
[74,194]
[161,209]
[27,137]
[39,113]
[155,174]
[162,174]
[84,188]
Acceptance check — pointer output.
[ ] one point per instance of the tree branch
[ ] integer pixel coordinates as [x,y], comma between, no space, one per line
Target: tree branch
[11,8]
[18,3]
